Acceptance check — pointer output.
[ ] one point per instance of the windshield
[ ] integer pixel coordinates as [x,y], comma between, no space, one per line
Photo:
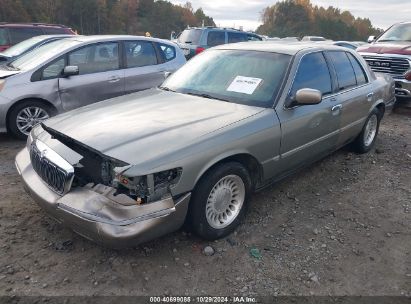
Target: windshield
[42,54]
[245,77]
[190,36]
[21,47]
[399,32]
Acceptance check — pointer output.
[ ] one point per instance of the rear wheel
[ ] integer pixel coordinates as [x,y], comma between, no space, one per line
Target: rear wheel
[25,116]
[219,201]
[366,139]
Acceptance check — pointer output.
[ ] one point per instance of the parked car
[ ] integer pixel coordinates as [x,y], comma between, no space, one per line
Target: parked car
[346,44]
[74,72]
[290,39]
[28,45]
[313,38]
[13,33]
[391,54]
[197,39]
[231,121]
[272,39]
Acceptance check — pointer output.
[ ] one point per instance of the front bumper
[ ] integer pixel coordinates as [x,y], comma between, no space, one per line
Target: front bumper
[97,218]
[402,88]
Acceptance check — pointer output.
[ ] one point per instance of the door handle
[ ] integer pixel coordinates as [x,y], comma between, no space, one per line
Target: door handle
[114,79]
[369,96]
[336,108]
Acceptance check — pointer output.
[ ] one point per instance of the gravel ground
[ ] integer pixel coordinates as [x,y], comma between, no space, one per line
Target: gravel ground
[339,227]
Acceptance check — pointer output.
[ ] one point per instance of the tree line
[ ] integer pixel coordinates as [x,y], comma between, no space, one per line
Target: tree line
[300,18]
[160,18]
[88,17]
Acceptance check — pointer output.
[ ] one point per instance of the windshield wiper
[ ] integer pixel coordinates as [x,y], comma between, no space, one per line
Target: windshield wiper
[166,89]
[12,66]
[207,96]
[387,40]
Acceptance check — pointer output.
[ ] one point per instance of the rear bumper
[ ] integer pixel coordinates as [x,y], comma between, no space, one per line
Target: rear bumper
[97,218]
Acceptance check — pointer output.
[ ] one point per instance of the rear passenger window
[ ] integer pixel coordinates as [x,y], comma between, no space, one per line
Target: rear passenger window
[168,52]
[313,73]
[215,38]
[359,71]
[140,53]
[345,73]
[236,37]
[96,58]
[18,34]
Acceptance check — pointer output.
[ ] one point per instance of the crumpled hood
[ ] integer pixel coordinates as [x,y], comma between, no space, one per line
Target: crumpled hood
[138,127]
[397,48]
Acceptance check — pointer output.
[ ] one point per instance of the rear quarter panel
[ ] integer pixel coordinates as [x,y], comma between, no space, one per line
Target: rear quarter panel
[384,86]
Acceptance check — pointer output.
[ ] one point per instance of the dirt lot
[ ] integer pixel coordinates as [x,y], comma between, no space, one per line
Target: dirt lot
[340,227]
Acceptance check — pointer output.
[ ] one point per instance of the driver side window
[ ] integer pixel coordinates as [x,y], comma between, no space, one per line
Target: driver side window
[313,73]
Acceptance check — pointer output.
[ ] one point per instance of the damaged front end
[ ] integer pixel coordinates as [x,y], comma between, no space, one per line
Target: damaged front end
[94,195]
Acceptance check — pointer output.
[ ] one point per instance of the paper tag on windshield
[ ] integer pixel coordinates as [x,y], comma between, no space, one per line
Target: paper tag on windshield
[245,85]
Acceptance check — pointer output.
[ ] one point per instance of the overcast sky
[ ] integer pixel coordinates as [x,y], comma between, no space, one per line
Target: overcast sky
[246,13]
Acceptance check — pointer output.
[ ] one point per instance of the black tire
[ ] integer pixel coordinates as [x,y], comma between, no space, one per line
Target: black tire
[197,219]
[360,144]
[12,117]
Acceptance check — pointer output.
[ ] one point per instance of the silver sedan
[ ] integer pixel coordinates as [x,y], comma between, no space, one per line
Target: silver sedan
[74,72]
[230,122]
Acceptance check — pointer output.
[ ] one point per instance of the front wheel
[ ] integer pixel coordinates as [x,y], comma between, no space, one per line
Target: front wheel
[25,116]
[366,139]
[219,201]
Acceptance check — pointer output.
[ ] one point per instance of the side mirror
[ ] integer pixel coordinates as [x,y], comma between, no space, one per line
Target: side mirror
[371,39]
[70,70]
[308,97]
[167,74]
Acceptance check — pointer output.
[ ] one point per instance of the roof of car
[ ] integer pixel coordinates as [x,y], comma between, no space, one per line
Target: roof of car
[45,37]
[289,48]
[31,24]
[97,38]
[216,28]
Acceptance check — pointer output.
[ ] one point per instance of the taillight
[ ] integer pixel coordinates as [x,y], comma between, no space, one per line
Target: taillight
[408,75]
[199,50]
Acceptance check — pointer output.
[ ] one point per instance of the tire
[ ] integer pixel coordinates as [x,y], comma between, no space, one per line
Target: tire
[366,139]
[230,186]
[33,111]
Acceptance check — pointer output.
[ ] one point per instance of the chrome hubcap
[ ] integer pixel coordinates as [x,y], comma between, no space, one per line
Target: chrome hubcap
[370,130]
[225,201]
[28,117]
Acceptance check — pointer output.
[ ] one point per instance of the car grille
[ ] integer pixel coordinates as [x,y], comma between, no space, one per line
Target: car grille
[394,66]
[54,176]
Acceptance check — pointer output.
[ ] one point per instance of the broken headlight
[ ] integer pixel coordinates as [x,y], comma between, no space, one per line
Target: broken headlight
[148,188]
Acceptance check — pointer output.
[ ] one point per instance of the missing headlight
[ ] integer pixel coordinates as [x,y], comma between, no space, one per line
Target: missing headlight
[148,188]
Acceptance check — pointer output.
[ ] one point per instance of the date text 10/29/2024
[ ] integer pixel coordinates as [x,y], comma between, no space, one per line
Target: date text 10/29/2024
[202,299]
